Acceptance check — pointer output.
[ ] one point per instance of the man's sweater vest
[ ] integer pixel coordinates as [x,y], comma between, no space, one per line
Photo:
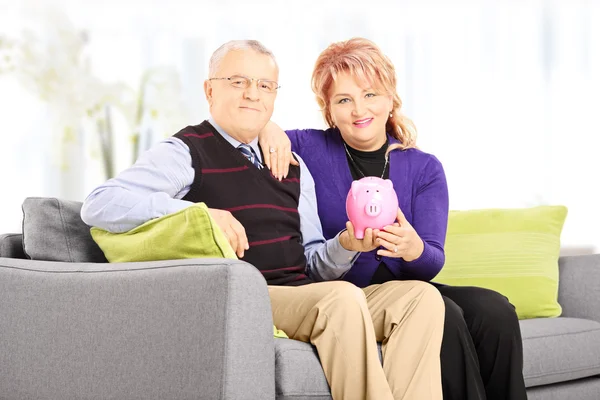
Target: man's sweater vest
[267,208]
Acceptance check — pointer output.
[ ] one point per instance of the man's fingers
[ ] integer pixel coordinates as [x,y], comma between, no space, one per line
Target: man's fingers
[368,239]
[233,240]
[241,234]
[350,229]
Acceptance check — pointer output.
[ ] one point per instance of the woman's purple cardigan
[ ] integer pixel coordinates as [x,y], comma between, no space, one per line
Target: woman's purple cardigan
[419,181]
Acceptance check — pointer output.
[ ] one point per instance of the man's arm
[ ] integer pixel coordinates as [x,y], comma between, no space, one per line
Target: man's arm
[149,189]
[326,260]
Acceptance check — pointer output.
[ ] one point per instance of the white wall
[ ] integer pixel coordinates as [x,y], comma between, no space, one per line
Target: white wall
[505,93]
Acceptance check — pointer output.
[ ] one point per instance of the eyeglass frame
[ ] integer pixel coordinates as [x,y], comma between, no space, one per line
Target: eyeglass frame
[250,82]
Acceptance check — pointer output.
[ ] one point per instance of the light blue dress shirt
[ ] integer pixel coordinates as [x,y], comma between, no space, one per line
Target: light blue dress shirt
[163,175]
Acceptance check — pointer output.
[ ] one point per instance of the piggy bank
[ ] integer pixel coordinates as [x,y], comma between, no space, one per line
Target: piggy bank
[371,203]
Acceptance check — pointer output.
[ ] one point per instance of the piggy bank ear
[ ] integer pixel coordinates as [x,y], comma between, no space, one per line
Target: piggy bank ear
[356,185]
[387,183]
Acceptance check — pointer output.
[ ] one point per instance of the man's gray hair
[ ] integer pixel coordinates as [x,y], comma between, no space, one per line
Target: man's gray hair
[221,52]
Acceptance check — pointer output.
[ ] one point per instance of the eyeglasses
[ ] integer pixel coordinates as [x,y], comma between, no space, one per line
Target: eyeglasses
[243,82]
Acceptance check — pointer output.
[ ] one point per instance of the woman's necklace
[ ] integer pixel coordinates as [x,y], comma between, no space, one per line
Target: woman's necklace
[387,158]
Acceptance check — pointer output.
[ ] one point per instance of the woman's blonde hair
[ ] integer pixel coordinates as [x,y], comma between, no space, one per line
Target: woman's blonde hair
[365,60]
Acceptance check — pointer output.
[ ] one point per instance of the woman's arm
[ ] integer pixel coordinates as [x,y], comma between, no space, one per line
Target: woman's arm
[430,221]
[277,150]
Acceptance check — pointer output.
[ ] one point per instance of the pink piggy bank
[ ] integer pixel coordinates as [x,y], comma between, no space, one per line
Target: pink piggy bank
[371,203]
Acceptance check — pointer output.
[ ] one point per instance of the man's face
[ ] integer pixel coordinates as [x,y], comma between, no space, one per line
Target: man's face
[242,112]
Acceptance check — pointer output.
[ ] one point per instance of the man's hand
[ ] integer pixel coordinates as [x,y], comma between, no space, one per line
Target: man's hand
[400,240]
[350,242]
[233,230]
[277,150]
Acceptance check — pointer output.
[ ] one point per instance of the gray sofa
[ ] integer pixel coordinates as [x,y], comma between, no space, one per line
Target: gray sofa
[202,329]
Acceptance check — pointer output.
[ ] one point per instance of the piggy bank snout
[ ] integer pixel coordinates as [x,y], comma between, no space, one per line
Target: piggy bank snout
[373,209]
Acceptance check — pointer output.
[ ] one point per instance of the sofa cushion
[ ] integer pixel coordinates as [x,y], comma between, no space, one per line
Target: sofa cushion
[298,372]
[554,350]
[512,251]
[53,231]
[559,349]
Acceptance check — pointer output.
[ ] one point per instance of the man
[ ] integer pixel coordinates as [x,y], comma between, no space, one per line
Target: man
[273,224]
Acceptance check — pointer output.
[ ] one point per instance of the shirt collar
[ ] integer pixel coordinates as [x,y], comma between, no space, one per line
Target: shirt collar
[234,142]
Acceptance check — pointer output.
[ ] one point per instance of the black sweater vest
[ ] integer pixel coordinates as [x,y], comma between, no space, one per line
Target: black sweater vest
[267,209]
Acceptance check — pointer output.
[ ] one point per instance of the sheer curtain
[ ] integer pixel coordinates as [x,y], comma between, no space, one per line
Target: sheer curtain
[505,94]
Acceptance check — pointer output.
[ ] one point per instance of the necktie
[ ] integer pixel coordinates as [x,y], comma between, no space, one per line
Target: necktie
[250,155]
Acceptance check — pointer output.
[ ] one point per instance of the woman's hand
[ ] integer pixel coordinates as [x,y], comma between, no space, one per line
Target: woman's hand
[400,240]
[350,242]
[277,150]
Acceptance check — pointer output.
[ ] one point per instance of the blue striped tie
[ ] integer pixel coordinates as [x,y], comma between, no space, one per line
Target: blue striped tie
[250,155]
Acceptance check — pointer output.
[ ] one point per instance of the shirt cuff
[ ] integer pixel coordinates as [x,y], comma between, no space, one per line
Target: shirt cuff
[338,254]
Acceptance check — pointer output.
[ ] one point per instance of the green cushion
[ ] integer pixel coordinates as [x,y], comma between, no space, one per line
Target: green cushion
[189,233]
[512,251]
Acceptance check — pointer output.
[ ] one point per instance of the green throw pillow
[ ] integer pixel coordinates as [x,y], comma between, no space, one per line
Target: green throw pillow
[189,233]
[512,251]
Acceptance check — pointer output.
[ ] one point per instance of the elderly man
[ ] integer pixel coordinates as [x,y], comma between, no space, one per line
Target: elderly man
[273,224]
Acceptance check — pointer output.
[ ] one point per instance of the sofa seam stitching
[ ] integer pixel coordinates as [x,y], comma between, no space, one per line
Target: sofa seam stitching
[562,334]
[564,371]
[65,229]
[226,333]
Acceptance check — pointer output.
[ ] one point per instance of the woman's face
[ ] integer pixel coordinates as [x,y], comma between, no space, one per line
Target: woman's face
[360,112]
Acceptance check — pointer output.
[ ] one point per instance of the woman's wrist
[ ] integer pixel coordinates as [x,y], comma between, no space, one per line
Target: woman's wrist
[419,248]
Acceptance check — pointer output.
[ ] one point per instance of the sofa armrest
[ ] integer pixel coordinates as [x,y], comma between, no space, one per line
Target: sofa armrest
[183,329]
[579,286]
[11,245]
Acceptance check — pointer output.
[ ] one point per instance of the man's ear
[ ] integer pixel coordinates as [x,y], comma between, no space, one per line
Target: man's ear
[208,91]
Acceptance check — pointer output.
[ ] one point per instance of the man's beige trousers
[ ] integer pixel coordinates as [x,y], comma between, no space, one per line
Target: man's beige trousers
[344,322]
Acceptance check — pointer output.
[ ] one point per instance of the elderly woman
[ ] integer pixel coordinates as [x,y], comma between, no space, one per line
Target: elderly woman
[355,86]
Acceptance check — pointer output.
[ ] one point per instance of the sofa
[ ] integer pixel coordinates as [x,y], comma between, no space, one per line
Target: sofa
[202,329]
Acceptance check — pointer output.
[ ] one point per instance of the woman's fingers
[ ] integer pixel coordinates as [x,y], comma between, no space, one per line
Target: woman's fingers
[283,162]
[390,237]
[274,164]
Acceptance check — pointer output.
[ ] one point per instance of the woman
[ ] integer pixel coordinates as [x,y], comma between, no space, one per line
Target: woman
[355,85]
